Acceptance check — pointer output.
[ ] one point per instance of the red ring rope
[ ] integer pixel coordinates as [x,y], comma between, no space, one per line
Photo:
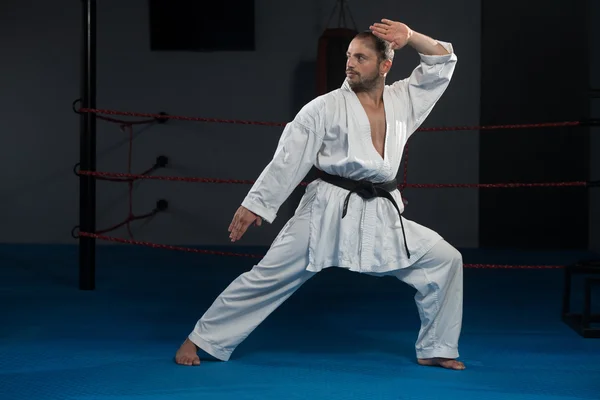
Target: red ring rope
[246,122]
[130,178]
[231,254]
[126,176]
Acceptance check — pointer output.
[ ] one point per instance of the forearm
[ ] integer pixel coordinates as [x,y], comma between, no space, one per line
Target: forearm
[295,155]
[426,45]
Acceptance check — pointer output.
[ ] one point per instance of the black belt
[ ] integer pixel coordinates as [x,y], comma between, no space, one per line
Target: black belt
[366,190]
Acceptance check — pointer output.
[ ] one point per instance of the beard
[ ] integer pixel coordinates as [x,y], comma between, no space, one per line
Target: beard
[360,83]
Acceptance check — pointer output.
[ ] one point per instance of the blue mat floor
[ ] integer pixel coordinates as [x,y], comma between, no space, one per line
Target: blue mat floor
[341,336]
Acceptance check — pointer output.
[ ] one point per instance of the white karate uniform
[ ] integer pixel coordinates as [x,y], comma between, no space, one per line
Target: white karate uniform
[332,132]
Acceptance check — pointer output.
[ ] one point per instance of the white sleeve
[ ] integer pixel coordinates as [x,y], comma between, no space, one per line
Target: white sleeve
[421,91]
[295,155]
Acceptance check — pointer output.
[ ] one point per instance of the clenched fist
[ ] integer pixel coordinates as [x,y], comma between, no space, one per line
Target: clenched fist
[397,33]
[242,219]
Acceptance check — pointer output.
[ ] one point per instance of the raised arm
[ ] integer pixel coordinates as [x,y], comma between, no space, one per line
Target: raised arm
[425,45]
[429,79]
[295,155]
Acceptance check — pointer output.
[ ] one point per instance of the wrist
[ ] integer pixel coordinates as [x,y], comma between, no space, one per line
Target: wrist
[412,38]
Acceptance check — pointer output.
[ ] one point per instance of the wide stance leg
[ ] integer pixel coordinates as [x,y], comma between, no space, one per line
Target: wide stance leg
[250,298]
[438,278]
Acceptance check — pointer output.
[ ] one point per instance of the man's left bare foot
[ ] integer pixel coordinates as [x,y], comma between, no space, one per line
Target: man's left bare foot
[187,354]
[448,363]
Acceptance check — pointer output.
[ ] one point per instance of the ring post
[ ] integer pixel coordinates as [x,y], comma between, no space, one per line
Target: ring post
[87,184]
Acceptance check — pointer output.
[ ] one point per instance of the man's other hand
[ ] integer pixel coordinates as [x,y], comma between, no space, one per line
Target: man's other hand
[242,219]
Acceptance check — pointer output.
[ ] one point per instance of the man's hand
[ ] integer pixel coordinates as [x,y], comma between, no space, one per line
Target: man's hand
[242,219]
[397,33]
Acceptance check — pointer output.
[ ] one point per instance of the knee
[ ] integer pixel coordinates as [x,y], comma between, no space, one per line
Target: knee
[451,257]
[456,257]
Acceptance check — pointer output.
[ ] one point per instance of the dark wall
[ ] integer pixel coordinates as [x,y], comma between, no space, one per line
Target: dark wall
[594,152]
[534,63]
[535,68]
[39,77]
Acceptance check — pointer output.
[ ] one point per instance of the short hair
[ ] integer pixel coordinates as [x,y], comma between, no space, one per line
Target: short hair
[382,48]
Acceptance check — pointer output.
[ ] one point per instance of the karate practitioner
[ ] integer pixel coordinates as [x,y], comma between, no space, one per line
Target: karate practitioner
[351,216]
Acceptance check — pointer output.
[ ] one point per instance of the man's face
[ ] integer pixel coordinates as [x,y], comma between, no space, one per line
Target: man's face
[362,66]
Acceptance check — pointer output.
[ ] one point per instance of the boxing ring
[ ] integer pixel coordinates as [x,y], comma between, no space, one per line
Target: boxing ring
[88,233]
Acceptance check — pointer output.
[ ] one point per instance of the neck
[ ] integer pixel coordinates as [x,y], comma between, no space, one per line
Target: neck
[373,97]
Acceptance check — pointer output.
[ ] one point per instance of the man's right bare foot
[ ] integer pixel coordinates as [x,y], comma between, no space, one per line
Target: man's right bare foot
[187,354]
[448,363]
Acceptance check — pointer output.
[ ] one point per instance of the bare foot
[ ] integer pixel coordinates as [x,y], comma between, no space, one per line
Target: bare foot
[187,354]
[448,363]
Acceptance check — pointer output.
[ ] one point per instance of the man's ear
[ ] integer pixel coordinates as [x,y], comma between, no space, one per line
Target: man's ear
[385,67]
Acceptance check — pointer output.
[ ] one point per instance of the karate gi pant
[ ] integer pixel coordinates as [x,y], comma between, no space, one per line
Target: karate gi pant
[253,296]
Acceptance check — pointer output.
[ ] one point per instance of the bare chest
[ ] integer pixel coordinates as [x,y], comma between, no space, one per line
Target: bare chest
[378,124]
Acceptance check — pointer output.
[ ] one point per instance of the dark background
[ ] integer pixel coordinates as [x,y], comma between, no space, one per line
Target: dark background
[519,62]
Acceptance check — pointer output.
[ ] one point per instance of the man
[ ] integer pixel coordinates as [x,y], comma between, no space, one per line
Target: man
[351,216]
